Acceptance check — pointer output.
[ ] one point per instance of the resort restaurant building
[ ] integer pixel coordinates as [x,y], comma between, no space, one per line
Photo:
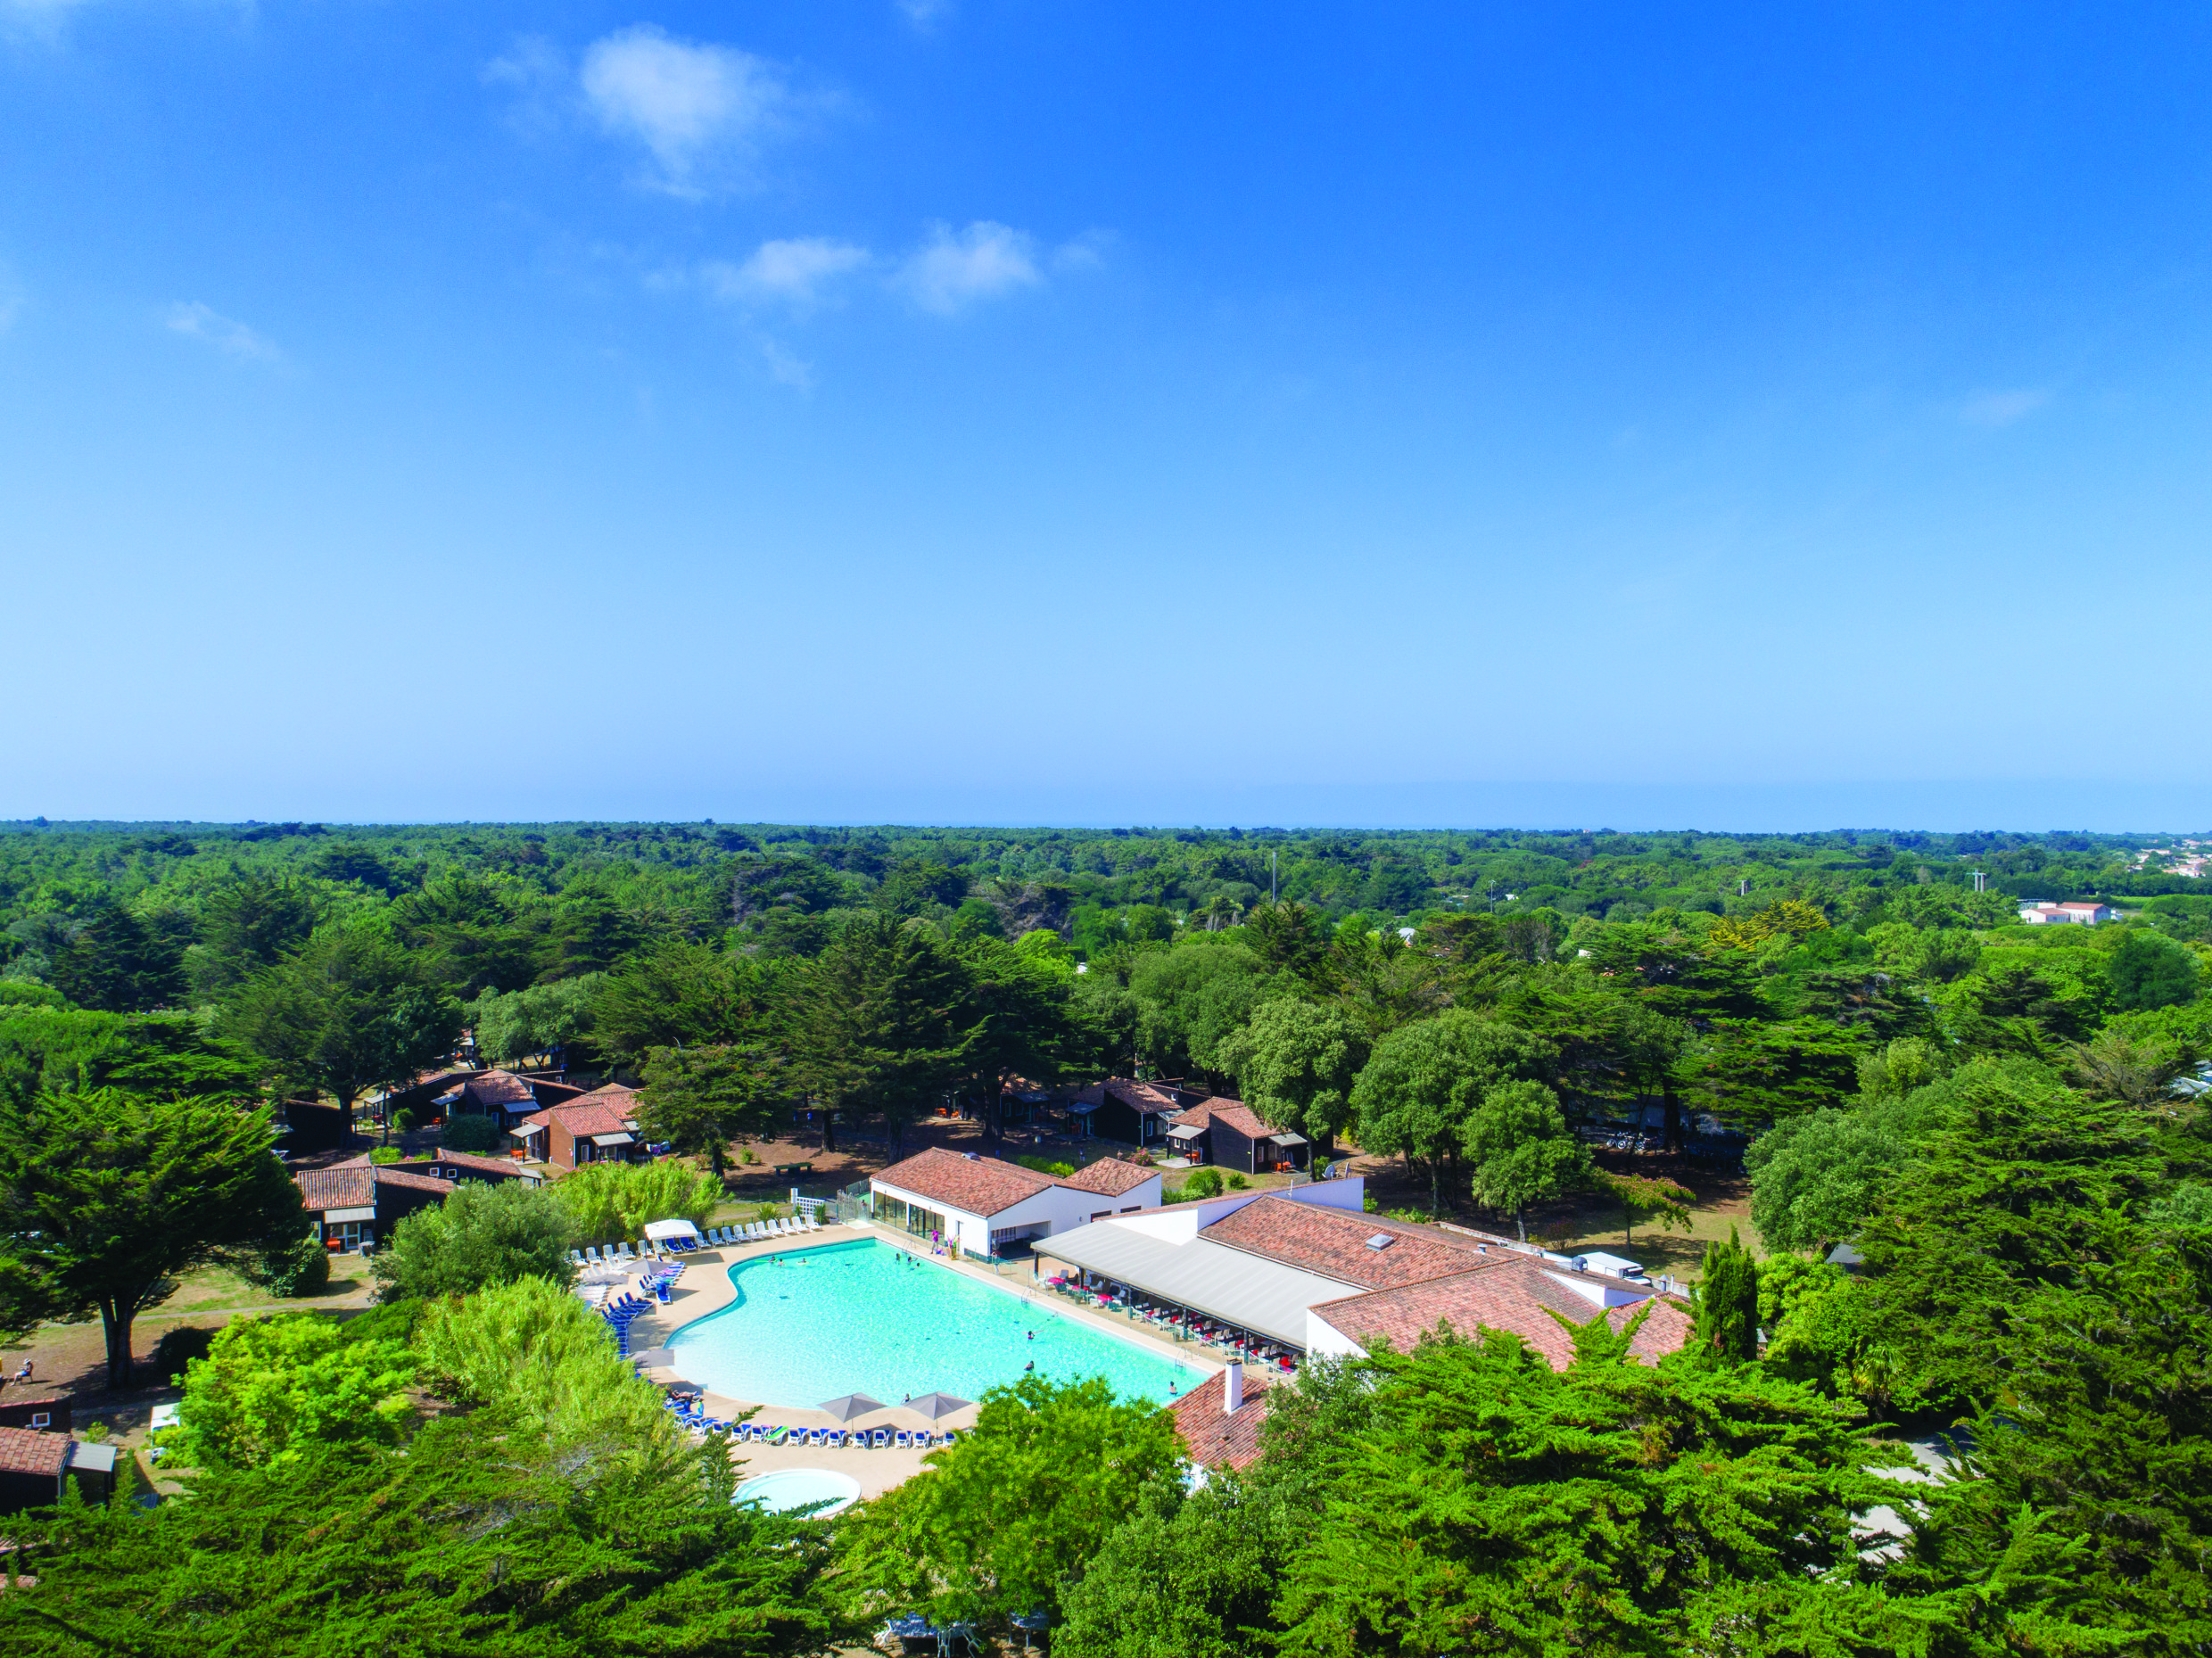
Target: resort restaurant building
[995,1207]
[1306,1272]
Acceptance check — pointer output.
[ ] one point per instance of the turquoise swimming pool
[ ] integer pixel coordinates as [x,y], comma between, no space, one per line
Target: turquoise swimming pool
[864,1317]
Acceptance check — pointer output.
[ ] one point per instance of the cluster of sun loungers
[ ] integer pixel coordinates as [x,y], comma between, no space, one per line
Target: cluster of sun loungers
[846,1438]
[759,1231]
[713,1238]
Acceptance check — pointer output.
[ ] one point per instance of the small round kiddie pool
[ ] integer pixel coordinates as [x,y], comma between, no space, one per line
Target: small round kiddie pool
[796,1487]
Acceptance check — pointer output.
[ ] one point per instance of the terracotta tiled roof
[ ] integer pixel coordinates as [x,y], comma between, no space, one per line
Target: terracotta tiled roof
[1333,1242]
[601,1113]
[1148,1098]
[1109,1177]
[1215,1438]
[983,1186]
[1517,1293]
[482,1165]
[503,1089]
[389,1176]
[1220,1109]
[353,1185]
[620,1095]
[26,1450]
[347,1186]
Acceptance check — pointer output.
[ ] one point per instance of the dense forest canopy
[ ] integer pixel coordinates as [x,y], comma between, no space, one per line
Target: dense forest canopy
[194,898]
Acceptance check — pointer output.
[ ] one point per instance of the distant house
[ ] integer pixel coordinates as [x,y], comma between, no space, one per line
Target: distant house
[995,1207]
[1230,1134]
[360,1202]
[1133,1112]
[596,1127]
[35,1467]
[505,1096]
[2078,911]
[458,1167]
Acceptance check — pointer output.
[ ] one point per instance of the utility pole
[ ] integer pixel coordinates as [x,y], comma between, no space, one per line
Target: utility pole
[1981,882]
[1271,857]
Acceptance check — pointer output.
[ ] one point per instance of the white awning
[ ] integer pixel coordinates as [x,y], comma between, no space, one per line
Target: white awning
[524,1132]
[1287,1139]
[336,1215]
[614,1140]
[661,1231]
[1185,1133]
[1238,1288]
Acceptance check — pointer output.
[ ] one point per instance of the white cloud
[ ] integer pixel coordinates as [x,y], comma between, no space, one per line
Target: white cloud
[786,367]
[954,269]
[2002,409]
[797,271]
[925,14]
[225,334]
[532,61]
[687,102]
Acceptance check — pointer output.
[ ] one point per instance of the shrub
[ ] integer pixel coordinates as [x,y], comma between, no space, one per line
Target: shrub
[610,1200]
[1237,1183]
[404,1118]
[480,1236]
[1202,1183]
[1045,1165]
[532,1347]
[270,1389]
[474,1133]
[302,1268]
[385,1155]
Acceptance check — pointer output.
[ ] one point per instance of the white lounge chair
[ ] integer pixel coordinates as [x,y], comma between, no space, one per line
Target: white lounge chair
[813,1224]
[752,1231]
[591,1254]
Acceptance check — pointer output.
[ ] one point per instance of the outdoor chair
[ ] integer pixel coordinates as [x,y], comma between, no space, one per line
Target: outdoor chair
[902,1440]
[752,1231]
[951,1436]
[813,1224]
[880,1438]
[591,1254]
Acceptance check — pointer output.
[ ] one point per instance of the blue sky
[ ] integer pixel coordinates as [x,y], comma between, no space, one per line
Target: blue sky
[1006,411]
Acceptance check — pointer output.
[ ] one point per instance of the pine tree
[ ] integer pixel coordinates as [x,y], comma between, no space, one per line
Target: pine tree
[1727,1303]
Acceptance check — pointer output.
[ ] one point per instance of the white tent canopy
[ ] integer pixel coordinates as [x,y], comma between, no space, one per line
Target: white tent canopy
[661,1231]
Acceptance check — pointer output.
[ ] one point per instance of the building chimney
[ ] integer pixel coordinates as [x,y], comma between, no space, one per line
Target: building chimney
[1233,1389]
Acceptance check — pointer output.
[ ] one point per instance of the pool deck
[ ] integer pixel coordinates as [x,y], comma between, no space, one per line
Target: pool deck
[705,1288]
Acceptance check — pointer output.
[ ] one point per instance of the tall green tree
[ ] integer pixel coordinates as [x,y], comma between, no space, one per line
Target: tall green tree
[1191,998]
[111,1197]
[250,922]
[1520,1151]
[121,962]
[1021,996]
[1008,1515]
[344,1015]
[1295,1063]
[1424,1082]
[480,1536]
[884,1023]
[1727,1303]
[682,995]
[699,1100]
[2147,969]
[1493,1503]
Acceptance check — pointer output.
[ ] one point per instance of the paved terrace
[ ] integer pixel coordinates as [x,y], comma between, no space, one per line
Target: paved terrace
[704,1288]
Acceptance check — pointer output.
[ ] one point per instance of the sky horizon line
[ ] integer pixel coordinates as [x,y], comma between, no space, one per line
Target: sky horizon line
[2035,807]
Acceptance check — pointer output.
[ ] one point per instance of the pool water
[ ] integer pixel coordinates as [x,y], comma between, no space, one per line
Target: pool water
[814,1324]
[796,1487]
